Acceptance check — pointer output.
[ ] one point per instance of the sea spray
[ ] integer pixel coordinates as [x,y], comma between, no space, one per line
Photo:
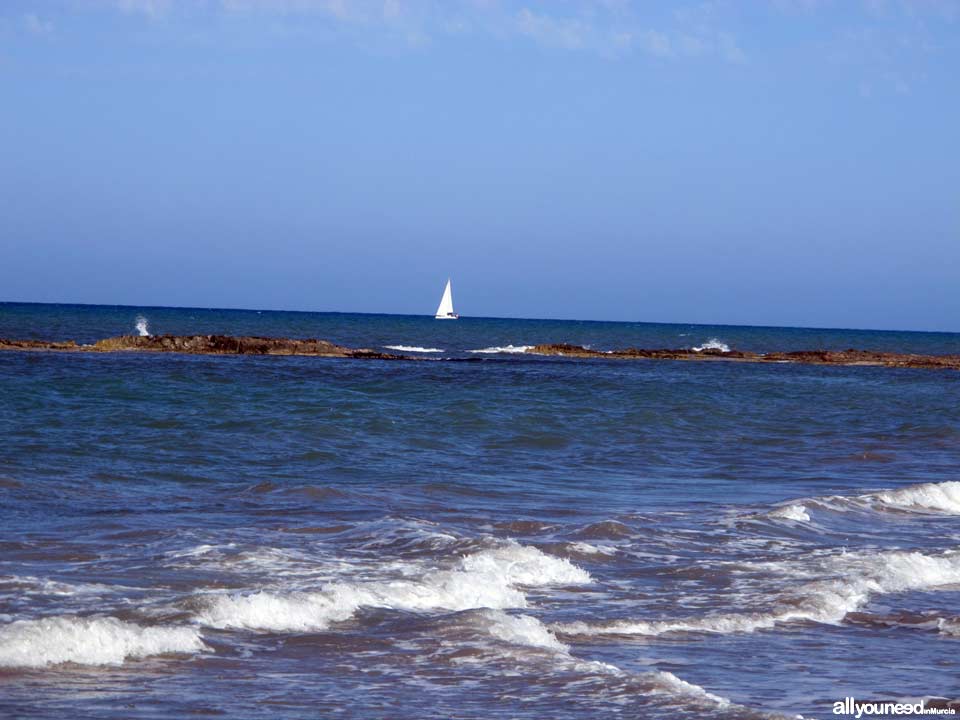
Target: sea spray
[141,326]
[712,344]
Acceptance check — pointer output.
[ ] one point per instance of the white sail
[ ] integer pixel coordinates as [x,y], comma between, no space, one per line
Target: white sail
[445,311]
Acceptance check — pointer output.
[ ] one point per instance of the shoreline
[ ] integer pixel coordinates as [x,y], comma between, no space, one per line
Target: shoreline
[251,345]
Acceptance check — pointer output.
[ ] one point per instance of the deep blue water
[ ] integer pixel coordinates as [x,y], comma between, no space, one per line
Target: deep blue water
[520,537]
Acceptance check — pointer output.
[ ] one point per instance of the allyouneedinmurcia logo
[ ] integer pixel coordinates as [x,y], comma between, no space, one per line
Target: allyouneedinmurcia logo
[849,706]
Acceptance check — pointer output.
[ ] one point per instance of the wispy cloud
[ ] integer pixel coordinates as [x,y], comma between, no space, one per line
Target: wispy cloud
[552,31]
[880,37]
[892,47]
[655,43]
[339,9]
[36,25]
[605,27]
[148,8]
[612,27]
[800,6]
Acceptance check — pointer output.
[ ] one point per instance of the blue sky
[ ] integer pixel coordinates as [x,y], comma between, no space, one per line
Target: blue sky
[788,162]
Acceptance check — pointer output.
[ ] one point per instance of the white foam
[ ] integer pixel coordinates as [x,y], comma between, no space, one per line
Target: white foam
[31,585]
[89,641]
[712,344]
[287,612]
[588,549]
[203,549]
[528,631]
[413,348]
[949,626]
[142,327]
[510,349]
[487,579]
[796,513]
[523,565]
[675,686]
[933,497]
[522,630]
[849,581]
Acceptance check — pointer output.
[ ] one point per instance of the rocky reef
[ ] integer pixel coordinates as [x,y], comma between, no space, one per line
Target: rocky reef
[205,345]
[806,357]
[232,345]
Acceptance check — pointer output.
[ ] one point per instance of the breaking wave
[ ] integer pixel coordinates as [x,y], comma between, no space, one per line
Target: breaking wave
[522,630]
[141,326]
[850,581]
[712,344]
[510,349]
[797,513]
[530,632]
[413,348]
[487,579]
[89,641]
[927,498]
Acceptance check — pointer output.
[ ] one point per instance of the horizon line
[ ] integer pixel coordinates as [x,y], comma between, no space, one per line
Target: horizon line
[479,317]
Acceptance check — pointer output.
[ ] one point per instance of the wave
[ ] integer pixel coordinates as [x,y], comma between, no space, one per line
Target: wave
[927,498]
[529,632]
[413,348]
[949,626]
[522,630]
[712,344]
[487,579]
[141,326]
[510,349]
[797,513]
[89,641]
[588,549]
[31,585]
[850,581]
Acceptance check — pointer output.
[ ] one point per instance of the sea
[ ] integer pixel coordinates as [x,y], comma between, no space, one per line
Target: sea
[482,533]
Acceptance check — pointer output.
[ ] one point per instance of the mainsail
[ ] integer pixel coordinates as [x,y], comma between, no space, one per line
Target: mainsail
[445,310]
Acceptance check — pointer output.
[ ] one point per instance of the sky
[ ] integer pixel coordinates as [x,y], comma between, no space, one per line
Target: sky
[781,162]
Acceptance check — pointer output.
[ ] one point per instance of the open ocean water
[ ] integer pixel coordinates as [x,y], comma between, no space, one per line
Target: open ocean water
[517,537]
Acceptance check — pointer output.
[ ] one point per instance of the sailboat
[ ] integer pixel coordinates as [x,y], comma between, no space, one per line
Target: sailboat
[445,311]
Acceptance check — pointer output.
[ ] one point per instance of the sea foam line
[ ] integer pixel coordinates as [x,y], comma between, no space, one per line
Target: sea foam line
[413,348]
[926,498]
[613,683]
[508,349]
[851,580]
[487,579]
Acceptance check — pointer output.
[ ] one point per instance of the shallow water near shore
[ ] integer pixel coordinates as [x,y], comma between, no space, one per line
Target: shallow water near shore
[516,537]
